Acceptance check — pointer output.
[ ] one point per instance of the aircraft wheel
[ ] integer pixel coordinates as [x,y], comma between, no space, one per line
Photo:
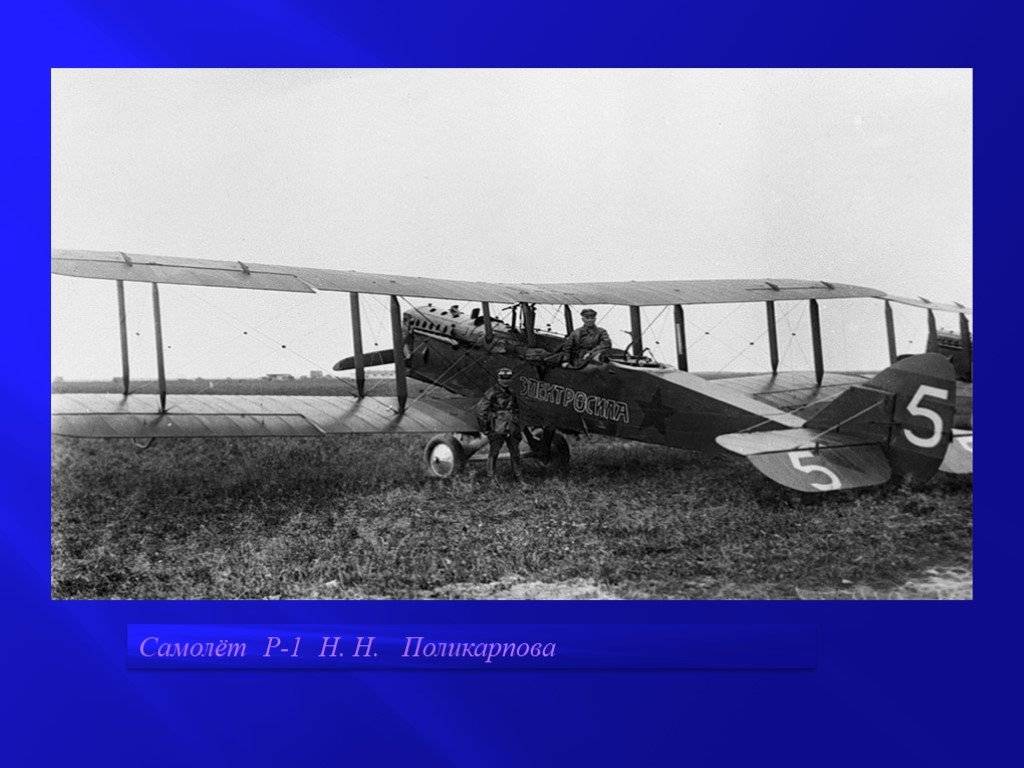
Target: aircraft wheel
[558,455]
[444,456]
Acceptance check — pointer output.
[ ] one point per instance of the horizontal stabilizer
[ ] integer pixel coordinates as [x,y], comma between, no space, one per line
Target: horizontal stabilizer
[785,440]
[959,458]
[832,469]
[804,460]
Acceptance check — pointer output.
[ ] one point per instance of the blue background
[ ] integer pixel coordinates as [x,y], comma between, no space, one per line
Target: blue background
[913,683]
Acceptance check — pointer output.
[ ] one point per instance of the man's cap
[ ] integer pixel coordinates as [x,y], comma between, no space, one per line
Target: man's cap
[588,313]
[505,373]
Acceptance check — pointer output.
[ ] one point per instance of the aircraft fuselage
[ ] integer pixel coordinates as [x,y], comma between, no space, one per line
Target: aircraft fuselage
[649,403]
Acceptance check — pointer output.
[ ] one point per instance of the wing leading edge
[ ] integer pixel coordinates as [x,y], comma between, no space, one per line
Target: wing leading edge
[105,265]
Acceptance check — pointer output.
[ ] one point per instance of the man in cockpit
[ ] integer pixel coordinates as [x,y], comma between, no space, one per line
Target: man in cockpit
[585,344]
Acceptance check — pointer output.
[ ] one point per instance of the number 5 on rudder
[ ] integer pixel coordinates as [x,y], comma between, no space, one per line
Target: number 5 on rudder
[914,408]
[796,458]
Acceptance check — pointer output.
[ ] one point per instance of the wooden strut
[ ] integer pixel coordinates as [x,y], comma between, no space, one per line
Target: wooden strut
[568,318]
[485,307]
[158,330]
[933,333]
[636,331]
[528,322]
[819,365]
[123,321]
[773,337]
[401,386]
[890,333]
[681,339]
[965,341]
[357,344]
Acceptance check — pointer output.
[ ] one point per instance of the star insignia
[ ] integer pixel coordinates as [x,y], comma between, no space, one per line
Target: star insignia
[655,412]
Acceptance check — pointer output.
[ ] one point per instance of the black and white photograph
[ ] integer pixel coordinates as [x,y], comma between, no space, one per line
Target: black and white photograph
[528,334]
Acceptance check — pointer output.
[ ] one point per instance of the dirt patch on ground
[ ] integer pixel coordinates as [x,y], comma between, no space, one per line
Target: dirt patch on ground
[516,588]
[934,584]
[508,588]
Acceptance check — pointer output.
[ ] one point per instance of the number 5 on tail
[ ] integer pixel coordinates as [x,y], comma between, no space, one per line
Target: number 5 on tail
[797,459]
[914,408]
[835,468]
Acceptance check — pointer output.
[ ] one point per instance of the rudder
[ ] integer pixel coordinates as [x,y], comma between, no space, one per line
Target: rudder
[914,403]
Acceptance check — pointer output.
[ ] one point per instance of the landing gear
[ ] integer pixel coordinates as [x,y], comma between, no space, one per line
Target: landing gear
[444,456]
[447,455]
[558,454]
[548,447]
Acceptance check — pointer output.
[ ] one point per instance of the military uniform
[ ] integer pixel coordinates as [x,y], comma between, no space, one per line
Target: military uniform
[585,344]
[498,417]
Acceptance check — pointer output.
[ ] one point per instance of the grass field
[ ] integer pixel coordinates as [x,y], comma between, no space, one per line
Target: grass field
[356,517]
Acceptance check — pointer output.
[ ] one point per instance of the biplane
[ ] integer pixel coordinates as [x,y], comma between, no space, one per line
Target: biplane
[812,431]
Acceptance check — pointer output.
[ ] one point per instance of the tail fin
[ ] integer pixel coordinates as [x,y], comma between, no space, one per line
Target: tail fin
[908,408]
[924,402]
[899,423]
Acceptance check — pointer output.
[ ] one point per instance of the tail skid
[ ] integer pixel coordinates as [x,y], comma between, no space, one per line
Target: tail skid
[898,423]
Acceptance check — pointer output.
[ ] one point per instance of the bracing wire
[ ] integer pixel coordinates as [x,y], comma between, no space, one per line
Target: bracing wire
[246,328]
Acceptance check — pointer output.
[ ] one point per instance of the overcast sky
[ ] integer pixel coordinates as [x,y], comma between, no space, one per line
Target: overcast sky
[855,176]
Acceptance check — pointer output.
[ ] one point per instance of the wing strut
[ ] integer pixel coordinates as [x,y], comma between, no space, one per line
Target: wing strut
[966,343]
[568,319]
[933,333]
[123,322]
[528,322]
[819,365]
[890,332]
[488,329]
[158,331]
[636,331]
[773,337]
[681,339]
[401,386]
[357,344]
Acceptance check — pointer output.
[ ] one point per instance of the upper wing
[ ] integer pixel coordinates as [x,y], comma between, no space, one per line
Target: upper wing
[925,304]
[113,415]
[236,274]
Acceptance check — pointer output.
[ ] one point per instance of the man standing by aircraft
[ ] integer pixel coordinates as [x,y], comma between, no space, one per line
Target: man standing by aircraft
[586,343]
[498,416]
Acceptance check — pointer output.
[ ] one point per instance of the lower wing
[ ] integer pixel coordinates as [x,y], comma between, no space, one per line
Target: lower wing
[139,416]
